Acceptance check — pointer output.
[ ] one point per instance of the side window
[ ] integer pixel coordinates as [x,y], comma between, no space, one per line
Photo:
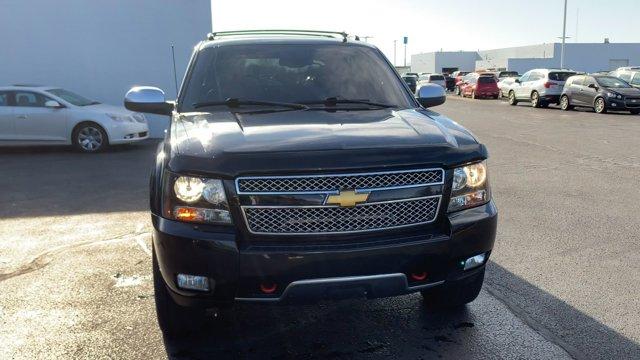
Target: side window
[525,77]
[29,99]
[625,76]
[577,80]
[4,98]
[534,76]
[636,79]
[589,81]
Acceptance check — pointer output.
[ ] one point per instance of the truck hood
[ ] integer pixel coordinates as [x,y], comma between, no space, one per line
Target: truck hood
[228,144]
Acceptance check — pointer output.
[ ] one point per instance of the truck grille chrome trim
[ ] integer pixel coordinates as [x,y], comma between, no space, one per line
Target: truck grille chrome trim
[306,220]
[332,183]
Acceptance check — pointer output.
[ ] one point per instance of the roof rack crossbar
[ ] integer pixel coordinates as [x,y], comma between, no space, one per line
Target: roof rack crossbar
[342,34]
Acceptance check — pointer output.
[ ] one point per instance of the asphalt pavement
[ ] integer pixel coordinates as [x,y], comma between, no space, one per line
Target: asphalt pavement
[75,266]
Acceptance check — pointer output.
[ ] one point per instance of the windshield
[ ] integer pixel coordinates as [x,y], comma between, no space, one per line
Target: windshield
[509,74]
[436,77]
[612,82]
[72,98]
[560,76]
[292,73]
[486,80]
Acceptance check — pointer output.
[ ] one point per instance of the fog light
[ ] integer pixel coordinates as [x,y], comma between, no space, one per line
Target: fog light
[614,104]
[192,282]
[474,262]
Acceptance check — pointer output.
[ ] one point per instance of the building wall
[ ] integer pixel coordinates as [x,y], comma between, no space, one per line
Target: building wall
[100,48]
[425,62]
[436,61]
[588,57]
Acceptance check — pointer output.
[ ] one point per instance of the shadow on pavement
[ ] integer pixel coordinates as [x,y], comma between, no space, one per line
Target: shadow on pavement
[52,181]
[579,334]
[401,328]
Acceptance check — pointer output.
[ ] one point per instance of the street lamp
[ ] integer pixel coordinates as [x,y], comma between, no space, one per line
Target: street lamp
[564,35]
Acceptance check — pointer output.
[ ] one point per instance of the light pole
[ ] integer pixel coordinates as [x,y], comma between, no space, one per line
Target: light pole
[394,52]
[564,35]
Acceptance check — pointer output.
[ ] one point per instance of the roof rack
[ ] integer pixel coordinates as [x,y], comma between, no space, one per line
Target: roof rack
[330,34]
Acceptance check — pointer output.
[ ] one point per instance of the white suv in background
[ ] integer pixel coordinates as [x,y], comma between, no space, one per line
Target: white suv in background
[44,115]
[428,78]
[541,87]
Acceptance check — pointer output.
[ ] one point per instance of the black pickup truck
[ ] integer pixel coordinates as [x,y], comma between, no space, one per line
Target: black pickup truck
[298,167]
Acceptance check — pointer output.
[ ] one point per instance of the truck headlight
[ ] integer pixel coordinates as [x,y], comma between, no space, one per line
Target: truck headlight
[196,199]
[470,187]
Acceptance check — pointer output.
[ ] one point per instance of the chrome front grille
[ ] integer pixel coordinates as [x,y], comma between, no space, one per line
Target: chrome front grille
[298,220]
[333,183]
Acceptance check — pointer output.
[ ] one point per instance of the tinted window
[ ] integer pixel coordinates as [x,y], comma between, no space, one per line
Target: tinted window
[73,98]
[30,99]
[292,73]
[560,76]
[4,98]
[436,77]
[487,80]
[636,79]
[508,74]
[612,82]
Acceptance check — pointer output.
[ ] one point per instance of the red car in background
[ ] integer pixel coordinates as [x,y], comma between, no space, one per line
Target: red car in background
[457,77]
[479,86]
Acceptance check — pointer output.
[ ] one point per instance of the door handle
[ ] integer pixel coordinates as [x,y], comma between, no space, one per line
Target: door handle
[22,116]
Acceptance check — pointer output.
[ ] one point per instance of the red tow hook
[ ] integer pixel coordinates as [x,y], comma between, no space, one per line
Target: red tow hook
[418,276]
[268,288]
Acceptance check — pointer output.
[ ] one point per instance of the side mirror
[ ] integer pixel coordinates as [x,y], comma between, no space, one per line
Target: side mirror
[517,81]
[148,99]
[53,104]
[431,95]
[593,86]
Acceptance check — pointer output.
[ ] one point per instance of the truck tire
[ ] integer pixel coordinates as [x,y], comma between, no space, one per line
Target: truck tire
[174,320]
[454,294]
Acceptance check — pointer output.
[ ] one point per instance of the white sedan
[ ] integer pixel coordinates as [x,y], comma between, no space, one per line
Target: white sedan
[506,84]
[43,115]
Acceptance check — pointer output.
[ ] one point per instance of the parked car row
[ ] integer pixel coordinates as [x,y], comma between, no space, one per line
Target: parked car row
[615,91]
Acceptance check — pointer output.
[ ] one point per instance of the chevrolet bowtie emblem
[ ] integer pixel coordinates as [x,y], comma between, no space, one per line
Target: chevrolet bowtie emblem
[347,198]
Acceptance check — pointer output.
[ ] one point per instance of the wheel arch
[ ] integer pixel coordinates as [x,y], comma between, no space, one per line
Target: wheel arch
[89,122]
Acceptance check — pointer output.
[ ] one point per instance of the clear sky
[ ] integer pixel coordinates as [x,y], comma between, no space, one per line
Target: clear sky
[432,25]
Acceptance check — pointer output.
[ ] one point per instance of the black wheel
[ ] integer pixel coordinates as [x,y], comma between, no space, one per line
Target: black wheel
[635,111]
[600,106]
[456,90]
[535,99]
[512,98]
[174,320]
[565,104]
[454,295]
[89,137]
[496,97]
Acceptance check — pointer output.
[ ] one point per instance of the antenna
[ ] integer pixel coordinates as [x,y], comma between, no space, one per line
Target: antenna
[175,76]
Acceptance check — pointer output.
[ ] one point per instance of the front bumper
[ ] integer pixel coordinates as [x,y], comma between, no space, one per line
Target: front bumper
[622,104]
[128,133]
[310,273]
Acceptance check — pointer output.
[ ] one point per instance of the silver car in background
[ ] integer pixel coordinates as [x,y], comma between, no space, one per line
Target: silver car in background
[505,85]
[431,78]
[45,115]
[540,87]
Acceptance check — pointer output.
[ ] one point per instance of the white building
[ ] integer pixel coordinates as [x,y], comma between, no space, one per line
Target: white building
[100,48]
[588,57]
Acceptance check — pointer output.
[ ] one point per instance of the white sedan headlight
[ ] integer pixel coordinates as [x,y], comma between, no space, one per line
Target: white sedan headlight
[196,199]
[470,187]
[120,118]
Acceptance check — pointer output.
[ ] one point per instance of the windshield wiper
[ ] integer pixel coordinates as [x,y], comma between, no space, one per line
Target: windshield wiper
[235,103]
[333,101]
